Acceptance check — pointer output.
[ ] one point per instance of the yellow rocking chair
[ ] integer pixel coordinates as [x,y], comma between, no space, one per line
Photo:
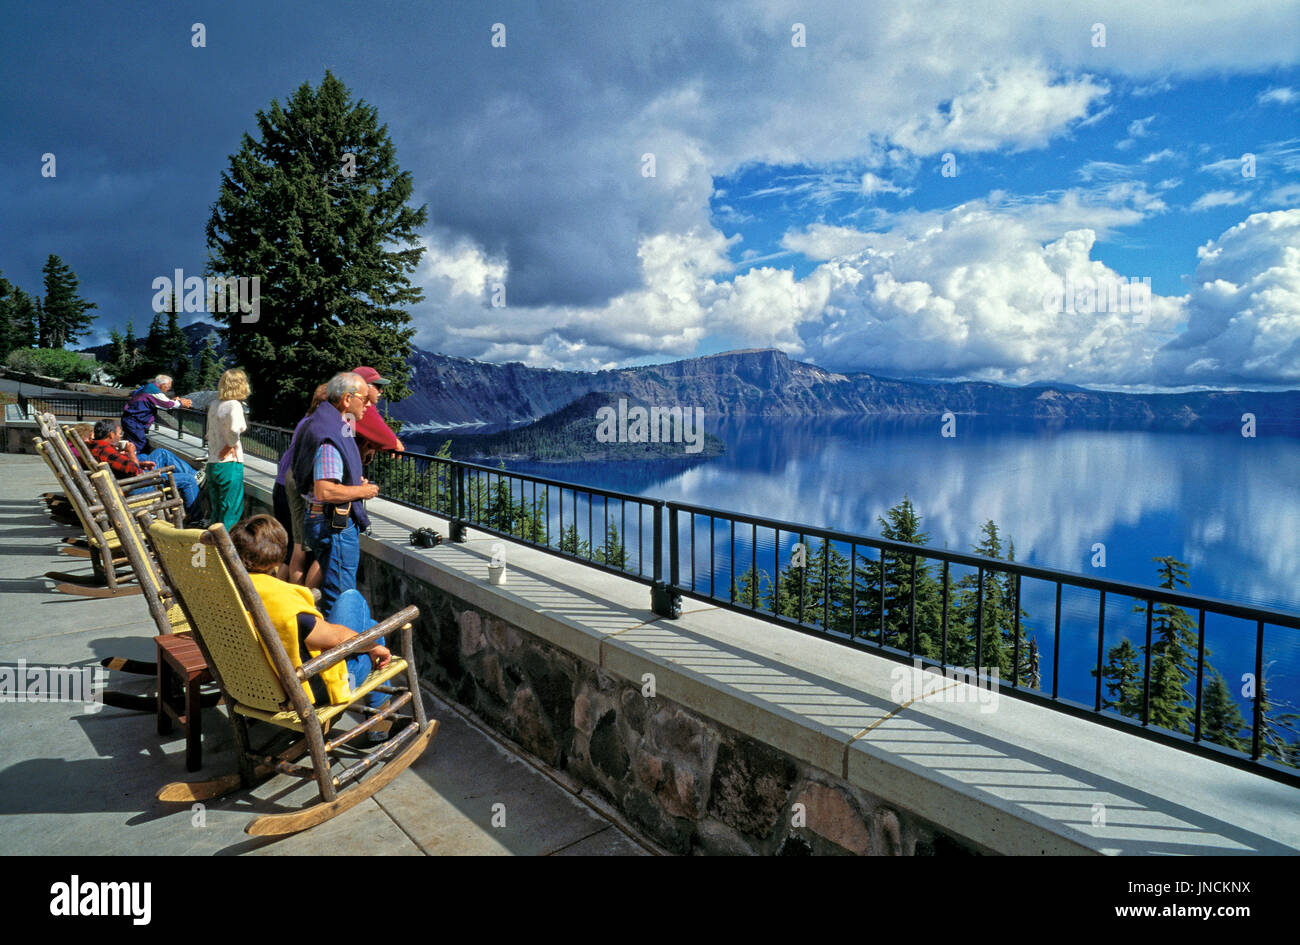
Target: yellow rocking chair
[259,682]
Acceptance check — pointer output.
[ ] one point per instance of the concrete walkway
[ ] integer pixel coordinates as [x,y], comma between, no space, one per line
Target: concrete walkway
[78,780]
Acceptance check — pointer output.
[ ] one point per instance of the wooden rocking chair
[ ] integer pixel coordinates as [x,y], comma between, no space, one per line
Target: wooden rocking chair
[167,614]
[100,543]
[259,682]
[79,463]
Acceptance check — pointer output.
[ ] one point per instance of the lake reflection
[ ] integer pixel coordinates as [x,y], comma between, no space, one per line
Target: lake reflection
[1224,504]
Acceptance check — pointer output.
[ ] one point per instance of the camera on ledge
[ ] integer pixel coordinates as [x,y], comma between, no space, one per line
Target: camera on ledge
[425,538]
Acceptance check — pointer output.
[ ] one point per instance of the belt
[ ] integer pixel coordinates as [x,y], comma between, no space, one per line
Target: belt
[324,507]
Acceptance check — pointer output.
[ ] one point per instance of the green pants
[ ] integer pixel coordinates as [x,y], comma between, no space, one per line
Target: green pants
[225,483]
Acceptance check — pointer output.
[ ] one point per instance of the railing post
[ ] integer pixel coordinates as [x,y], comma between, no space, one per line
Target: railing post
[658,541]
[456,529]
[672,546]
[665,600]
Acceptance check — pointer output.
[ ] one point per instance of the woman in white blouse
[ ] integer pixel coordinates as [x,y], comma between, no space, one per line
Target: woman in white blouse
[225,470]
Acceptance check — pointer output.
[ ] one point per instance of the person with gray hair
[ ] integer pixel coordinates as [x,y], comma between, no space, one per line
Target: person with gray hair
[138,416]
[326,468]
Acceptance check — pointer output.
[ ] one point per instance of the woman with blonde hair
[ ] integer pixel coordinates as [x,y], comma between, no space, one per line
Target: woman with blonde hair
[225,469]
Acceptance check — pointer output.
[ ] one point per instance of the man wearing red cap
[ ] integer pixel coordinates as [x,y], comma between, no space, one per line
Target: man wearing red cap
[372,432]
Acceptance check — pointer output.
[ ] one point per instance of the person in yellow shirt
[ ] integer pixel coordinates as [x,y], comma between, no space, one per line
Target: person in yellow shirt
[261,542]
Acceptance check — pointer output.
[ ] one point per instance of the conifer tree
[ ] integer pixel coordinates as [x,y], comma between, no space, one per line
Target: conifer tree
[902,524]
[572,543]
[612,551]
[988,618]
[1221,720]
[1028,673]
[315,207]
[826,587]
[176,347]
[1173,643]
[6,317]
[153,359]
[788,590]
[63,312]
[747,591]
[211,366]
[500,510]
[1123,680]
[19,317]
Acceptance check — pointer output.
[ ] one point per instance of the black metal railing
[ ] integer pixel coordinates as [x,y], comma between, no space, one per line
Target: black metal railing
[88,408]
[610,530]
[259,439]
[976,623]
[876,609]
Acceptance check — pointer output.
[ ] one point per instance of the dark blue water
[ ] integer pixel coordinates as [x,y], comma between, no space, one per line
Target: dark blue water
[1226,505]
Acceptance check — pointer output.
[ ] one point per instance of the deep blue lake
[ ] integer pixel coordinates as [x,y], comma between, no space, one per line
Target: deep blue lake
[1225,504]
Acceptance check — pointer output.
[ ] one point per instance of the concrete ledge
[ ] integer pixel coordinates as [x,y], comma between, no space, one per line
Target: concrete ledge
[1020,779]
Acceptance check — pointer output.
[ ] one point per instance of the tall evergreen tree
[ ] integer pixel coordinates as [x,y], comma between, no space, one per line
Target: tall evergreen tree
[6,317]
[176,354]
[210,367]
[19,318]
[1221,720]
[63,312]
[153,358]
[572,543]
[988,618]
[315,207]
[1028,673]
[747,590]
[612,552]
[902,524]
[817,591]
[131,370]
[1173,645]
[995,619]
[500,512]
[1123,680]
[826,590]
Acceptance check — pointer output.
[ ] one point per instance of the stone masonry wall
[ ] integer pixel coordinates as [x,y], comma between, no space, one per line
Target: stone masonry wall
[693,785]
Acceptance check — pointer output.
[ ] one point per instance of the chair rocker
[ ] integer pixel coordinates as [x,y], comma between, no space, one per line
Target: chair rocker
[259,682]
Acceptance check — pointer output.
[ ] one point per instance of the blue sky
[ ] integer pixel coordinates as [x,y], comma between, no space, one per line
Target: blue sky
[798,199]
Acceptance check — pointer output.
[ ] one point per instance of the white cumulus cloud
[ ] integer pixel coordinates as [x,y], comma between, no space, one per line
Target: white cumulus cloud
[1243,313]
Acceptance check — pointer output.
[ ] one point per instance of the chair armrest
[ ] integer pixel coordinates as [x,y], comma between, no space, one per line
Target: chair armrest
[147,476]
[154,500]
[358,644]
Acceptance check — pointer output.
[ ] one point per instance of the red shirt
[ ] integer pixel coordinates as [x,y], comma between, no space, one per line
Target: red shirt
[372,431]
[106,451]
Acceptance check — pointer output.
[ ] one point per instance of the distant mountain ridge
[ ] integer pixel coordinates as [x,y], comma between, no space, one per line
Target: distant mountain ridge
[451,390]
[453,393]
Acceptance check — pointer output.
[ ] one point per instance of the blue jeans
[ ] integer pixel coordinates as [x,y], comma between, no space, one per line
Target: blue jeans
[184,475]
[352,611]
[339,554]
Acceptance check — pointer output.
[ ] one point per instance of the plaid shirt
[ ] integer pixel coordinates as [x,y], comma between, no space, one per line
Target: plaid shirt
[328,465]
[106,451]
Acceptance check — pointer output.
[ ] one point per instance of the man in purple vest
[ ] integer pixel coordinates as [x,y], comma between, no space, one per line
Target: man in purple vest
[327,471]
[138,416]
